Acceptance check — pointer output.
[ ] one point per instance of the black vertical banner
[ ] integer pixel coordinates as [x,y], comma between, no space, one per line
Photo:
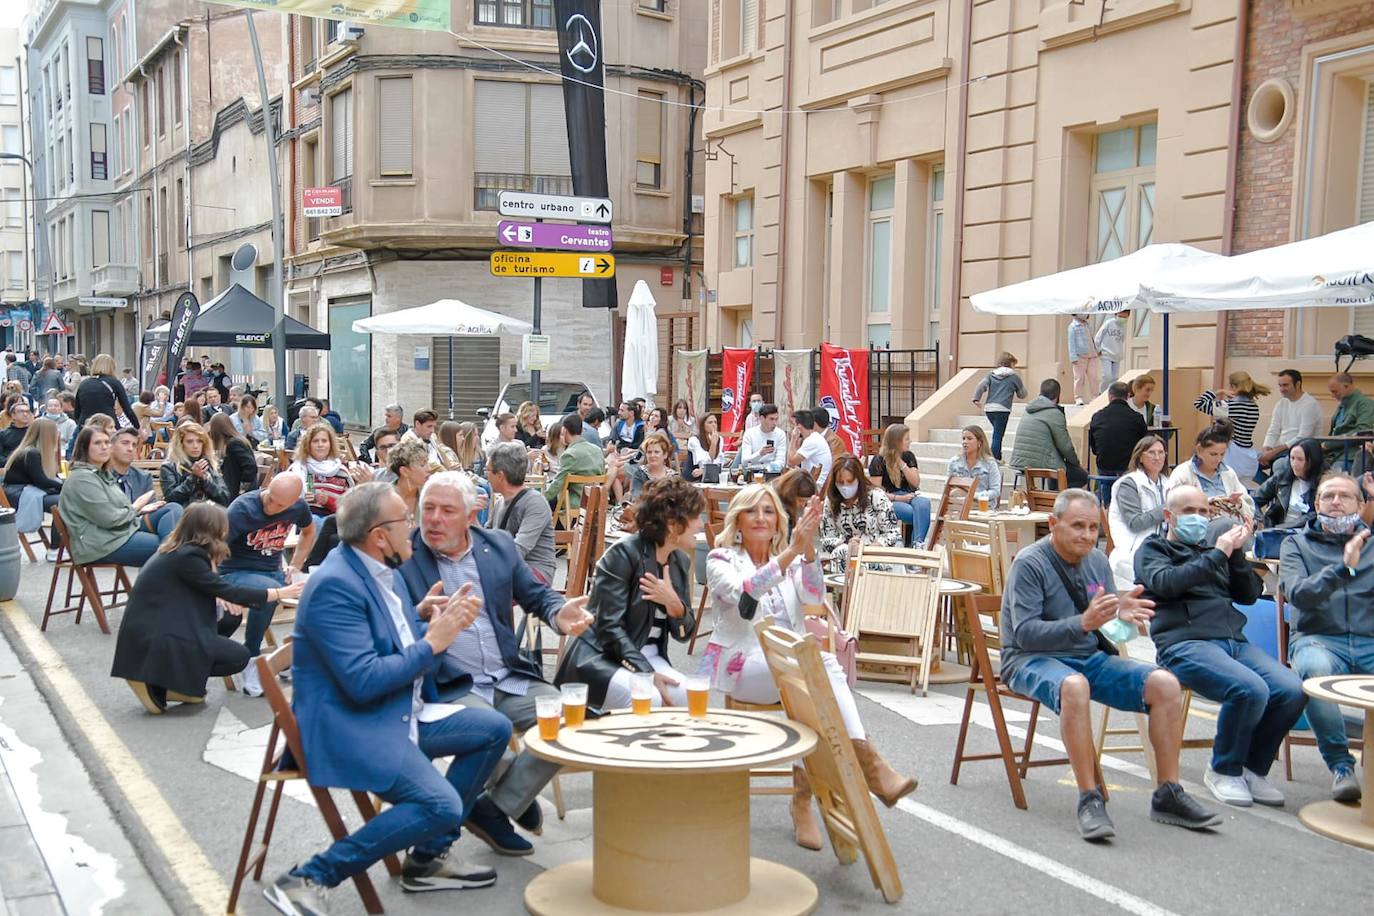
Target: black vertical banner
[184,315]
[581,61]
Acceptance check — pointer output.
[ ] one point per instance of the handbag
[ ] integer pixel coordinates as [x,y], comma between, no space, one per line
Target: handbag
[1269,541]
[28,516]
[1080,601]
[827,630]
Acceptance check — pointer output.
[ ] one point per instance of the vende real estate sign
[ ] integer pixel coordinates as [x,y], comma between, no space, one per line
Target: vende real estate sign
[317,202]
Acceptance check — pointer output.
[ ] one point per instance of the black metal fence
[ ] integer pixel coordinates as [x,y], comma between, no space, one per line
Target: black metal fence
[898,380]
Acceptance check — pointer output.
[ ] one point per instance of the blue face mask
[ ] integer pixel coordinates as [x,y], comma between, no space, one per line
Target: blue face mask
[1191,529]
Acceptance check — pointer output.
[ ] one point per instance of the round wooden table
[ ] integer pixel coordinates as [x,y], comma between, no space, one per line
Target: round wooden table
[1353,824]
[670,824]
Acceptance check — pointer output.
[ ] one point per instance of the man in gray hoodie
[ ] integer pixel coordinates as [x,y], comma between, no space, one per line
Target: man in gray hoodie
[1042,438]
[1059,595]
[1327,573]
[1001,385]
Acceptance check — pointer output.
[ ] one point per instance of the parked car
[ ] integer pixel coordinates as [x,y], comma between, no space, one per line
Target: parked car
[556,400]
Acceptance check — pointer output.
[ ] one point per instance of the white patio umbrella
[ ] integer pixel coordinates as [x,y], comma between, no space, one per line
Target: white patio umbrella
[446,318]
[1336,269]
[639,371]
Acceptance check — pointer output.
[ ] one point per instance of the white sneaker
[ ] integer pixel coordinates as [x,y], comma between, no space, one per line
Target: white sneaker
[247,682]
[1262,790]
[285,674]
[50,555]
[1229,789]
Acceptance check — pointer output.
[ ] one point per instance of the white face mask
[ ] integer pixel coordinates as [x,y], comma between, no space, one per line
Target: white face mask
[848,490]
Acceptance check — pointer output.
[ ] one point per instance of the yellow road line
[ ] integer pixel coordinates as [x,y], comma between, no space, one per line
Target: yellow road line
[185,858]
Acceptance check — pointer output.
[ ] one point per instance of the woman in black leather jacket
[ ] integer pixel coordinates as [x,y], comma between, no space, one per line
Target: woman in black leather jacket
[190,472]
[1275,500]
[642,594]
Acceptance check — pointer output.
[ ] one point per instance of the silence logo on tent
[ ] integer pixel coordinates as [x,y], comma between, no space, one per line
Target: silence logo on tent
[252,338]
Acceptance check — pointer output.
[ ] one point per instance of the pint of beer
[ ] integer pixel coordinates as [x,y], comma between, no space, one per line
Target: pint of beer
[642,694]
[548,710]
[982,504]
[698,692]
[574,704]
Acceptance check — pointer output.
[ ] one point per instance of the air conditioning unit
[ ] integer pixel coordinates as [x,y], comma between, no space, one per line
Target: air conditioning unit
[310,95]
[350,31]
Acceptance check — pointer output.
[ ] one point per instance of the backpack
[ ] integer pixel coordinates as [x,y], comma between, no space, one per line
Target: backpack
[1353,346]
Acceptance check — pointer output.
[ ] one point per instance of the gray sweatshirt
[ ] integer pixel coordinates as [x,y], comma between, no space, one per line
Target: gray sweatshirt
[1001,385]
[1038,615]
[1312,574]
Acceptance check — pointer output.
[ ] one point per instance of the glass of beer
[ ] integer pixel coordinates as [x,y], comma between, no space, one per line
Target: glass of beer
[641,694]
[574,704]
[698,692]
[982,504]
[548,710]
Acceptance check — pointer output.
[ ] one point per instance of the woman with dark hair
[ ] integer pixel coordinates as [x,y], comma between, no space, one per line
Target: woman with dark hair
[1288,498]
[1207,471]
[682,425]
[855,512]
[169,641]
[246,421]
[794,488]
[628,431]
[657,422]
[237,465]
[642,595]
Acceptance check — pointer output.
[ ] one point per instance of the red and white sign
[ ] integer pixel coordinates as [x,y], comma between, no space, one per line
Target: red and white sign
[844,392]
[54,325]
[737,369]
[4,322]
[25,324]
[665,276]
[322,201]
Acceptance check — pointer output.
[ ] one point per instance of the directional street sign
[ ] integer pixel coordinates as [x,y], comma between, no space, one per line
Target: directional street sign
[102,302]
[553,206]
[551,264]
[553,235]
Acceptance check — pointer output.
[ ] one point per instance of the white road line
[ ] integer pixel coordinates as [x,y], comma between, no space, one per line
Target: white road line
[185,859]
[1034,860]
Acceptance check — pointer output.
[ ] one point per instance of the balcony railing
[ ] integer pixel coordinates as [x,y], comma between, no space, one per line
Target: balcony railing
[487,186]
[345,186]
[114,280]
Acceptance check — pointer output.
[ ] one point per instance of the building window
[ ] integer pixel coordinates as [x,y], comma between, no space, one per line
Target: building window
[100,238]
[181,213]
[1363,321]
[341,145]
[744,231]
[64,64]
[306,26]
[100,164]
[114,49]
[739,27]
[14,208]
[159,90]
[9,85]
[526,14]
[10,135]
[95,65]
[878,288]
[1123,191]
[395,117]
[658,6]
[350,361]
[936,235]
[71,158]
[14,269]
[176,88]
[520,141]
[143,112]
[61,163]
[649,161]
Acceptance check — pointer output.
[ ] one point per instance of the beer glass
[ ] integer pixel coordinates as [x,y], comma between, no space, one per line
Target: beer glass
[574,704]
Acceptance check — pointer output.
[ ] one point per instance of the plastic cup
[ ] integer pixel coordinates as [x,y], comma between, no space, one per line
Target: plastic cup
[574,704]
[698,692]
[548,710]
[641,694]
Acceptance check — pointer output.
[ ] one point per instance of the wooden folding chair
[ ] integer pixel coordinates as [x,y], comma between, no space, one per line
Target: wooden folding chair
[955,503]
[893,604]
[870,440]
[24,536]
[717,505]
[1043,486]
[833,770]
[974,554]
[563,510]
[82,577]
[983,678]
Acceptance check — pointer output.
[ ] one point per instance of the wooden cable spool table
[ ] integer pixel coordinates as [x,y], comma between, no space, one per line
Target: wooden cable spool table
[1353,824]
[671,816]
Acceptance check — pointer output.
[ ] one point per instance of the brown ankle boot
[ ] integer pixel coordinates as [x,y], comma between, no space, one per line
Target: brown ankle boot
[803,815]
[883,781]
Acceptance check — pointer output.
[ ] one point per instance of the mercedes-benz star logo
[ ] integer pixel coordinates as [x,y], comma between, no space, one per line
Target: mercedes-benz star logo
[582,50]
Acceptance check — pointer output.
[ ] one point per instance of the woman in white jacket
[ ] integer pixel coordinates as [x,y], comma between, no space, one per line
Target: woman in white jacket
[1137,509]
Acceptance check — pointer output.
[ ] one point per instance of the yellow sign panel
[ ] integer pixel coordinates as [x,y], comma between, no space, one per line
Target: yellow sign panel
[401,14]
[552,264]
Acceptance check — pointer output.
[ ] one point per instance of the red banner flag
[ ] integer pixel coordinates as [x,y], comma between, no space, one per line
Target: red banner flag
[844,392]
[736,373]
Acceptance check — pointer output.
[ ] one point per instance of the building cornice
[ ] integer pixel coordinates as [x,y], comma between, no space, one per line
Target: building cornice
[172,37]
[1308,9]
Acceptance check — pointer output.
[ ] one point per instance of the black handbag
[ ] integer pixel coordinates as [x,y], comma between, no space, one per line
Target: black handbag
[1353,347]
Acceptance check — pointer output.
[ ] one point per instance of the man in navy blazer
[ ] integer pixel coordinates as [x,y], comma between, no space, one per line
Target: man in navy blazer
[484,661]
[369,715]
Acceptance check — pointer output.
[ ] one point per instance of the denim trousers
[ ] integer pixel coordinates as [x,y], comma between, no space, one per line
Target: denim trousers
[1260,698]
[916,514]
[259,618]
[427,809]
[153,530]
[999,420]
[1320,656]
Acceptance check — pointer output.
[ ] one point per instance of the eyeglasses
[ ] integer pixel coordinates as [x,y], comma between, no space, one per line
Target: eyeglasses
[389,522]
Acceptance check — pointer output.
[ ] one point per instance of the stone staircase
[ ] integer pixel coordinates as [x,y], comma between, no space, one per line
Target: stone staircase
[934,455]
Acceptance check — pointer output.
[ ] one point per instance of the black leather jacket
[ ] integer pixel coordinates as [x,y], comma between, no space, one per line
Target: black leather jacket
[179,485]
[624,617]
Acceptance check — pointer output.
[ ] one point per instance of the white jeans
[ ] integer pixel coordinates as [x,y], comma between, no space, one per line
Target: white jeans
[756,685]
[618,690]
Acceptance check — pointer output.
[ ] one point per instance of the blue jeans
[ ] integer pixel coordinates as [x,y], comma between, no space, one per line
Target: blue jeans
[153,530]
[1319,656]
[1260,698]
[259,618]
[916,514]
[1112,680]
[427,809]
[999,420]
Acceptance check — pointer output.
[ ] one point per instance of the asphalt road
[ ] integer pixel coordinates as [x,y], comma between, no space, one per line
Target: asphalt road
[180,784]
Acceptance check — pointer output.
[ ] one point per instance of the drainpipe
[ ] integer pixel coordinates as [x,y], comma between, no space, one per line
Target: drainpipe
[1228,228]
[783,173]
[187,197]
[961,142]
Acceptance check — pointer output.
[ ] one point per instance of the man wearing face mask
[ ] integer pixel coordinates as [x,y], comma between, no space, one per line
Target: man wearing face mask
[1327,574]
[1198,636]
[755,407]
[66,426]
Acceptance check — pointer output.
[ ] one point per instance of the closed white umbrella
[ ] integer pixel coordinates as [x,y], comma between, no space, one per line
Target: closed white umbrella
[639,371]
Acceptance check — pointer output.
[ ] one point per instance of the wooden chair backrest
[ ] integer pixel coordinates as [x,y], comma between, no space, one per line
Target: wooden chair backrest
[870,440]
[283,718]
[582,555]
[1107,529]
[717,505]
[562,510]
[838,783]
[980,640]
[350,453]
[974,554]
[901,601]
[955,502]
[1043,486]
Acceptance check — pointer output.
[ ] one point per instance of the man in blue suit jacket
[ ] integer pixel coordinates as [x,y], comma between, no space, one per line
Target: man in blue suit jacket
[369,714]
[484,661]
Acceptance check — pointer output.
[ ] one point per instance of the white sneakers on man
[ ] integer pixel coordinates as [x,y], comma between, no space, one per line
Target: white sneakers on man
[1262,790]
[1233,790]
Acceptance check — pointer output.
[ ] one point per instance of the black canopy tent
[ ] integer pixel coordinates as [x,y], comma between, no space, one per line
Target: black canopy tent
[237,318]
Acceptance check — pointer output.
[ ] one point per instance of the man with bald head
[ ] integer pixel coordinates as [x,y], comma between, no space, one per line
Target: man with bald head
[1199,636]
[1354,411]
[259,522]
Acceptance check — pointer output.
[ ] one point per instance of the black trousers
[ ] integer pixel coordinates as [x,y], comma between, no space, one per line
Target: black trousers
[227,656]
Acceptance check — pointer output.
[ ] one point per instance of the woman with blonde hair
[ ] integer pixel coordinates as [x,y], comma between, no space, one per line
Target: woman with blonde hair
[37,462]
[1142,387]
[326,476]
[894,469]
[528,428]
[102,391]
[658,456]
[273,425]
[191,472]
[760,571]
[975,460]
[1238,404]
[469,448]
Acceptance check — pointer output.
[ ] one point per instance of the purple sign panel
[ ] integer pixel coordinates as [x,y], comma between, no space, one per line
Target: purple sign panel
[554,235]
